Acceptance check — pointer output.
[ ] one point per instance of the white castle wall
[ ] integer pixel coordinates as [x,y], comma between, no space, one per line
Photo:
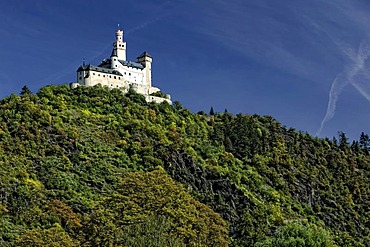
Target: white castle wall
[157,100]
[116,72]
[113,81]
[92,78]
[133,75]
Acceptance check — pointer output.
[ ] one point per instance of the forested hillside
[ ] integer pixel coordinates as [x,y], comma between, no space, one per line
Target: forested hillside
[93,167]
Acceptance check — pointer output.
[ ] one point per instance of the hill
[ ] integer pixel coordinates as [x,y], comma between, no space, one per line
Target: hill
[93,167]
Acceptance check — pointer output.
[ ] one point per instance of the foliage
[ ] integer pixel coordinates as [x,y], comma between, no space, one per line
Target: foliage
[53,237]
[152,232]
[159,94]
[81,167]
[142,196]
[297,234]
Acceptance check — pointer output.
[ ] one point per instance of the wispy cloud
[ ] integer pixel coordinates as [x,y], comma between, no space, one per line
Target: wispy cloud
[356,73]
[356,69]
[305,39]
[280,35]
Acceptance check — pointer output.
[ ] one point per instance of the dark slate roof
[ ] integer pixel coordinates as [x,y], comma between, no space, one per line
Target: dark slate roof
[114,53]
[144,54]
[131,64]
[105,64]
[98,69]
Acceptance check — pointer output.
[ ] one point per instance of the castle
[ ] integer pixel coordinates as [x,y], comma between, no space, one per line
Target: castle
[117,72]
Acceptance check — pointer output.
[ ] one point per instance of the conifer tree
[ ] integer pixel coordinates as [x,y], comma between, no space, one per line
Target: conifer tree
[25,91]
[211,112]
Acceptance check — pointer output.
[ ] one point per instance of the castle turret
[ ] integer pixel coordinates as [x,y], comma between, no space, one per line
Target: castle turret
[118,72]
[146,60]
[119,46]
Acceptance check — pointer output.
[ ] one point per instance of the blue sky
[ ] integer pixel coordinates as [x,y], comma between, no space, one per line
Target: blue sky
[306,63]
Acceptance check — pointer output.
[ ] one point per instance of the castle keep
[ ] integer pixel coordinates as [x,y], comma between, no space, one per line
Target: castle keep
[118,72]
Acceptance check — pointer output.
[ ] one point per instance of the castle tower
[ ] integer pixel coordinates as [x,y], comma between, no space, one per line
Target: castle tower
[119,46]
[118,72]
[146,60]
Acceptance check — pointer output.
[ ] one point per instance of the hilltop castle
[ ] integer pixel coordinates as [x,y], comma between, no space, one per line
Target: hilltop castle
[117,72]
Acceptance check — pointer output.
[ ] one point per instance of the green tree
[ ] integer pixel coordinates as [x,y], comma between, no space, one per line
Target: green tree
[299,235]
[25,91]
[365,142]
[343,140]
[153,232]
[141,196]
[211,111]
[52,237]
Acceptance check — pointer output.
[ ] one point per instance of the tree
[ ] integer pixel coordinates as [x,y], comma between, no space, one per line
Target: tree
[356,147]
[299,235]
[177,105]
[211,111]
[343,140]
[52,237]
[254,225]
[141,196]
[365,142]
[68,218]
[25,91]
[153,232]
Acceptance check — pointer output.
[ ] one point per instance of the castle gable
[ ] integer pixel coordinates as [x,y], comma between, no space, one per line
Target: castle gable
[118,72]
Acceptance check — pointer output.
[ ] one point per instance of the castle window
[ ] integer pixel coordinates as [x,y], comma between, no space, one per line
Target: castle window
[115,77]
[129,73]
[80,78]
[116,65]
[115,59]
[111,85]
[110,76]
[103,75]
[98,74]
[125,73]
[93,73]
